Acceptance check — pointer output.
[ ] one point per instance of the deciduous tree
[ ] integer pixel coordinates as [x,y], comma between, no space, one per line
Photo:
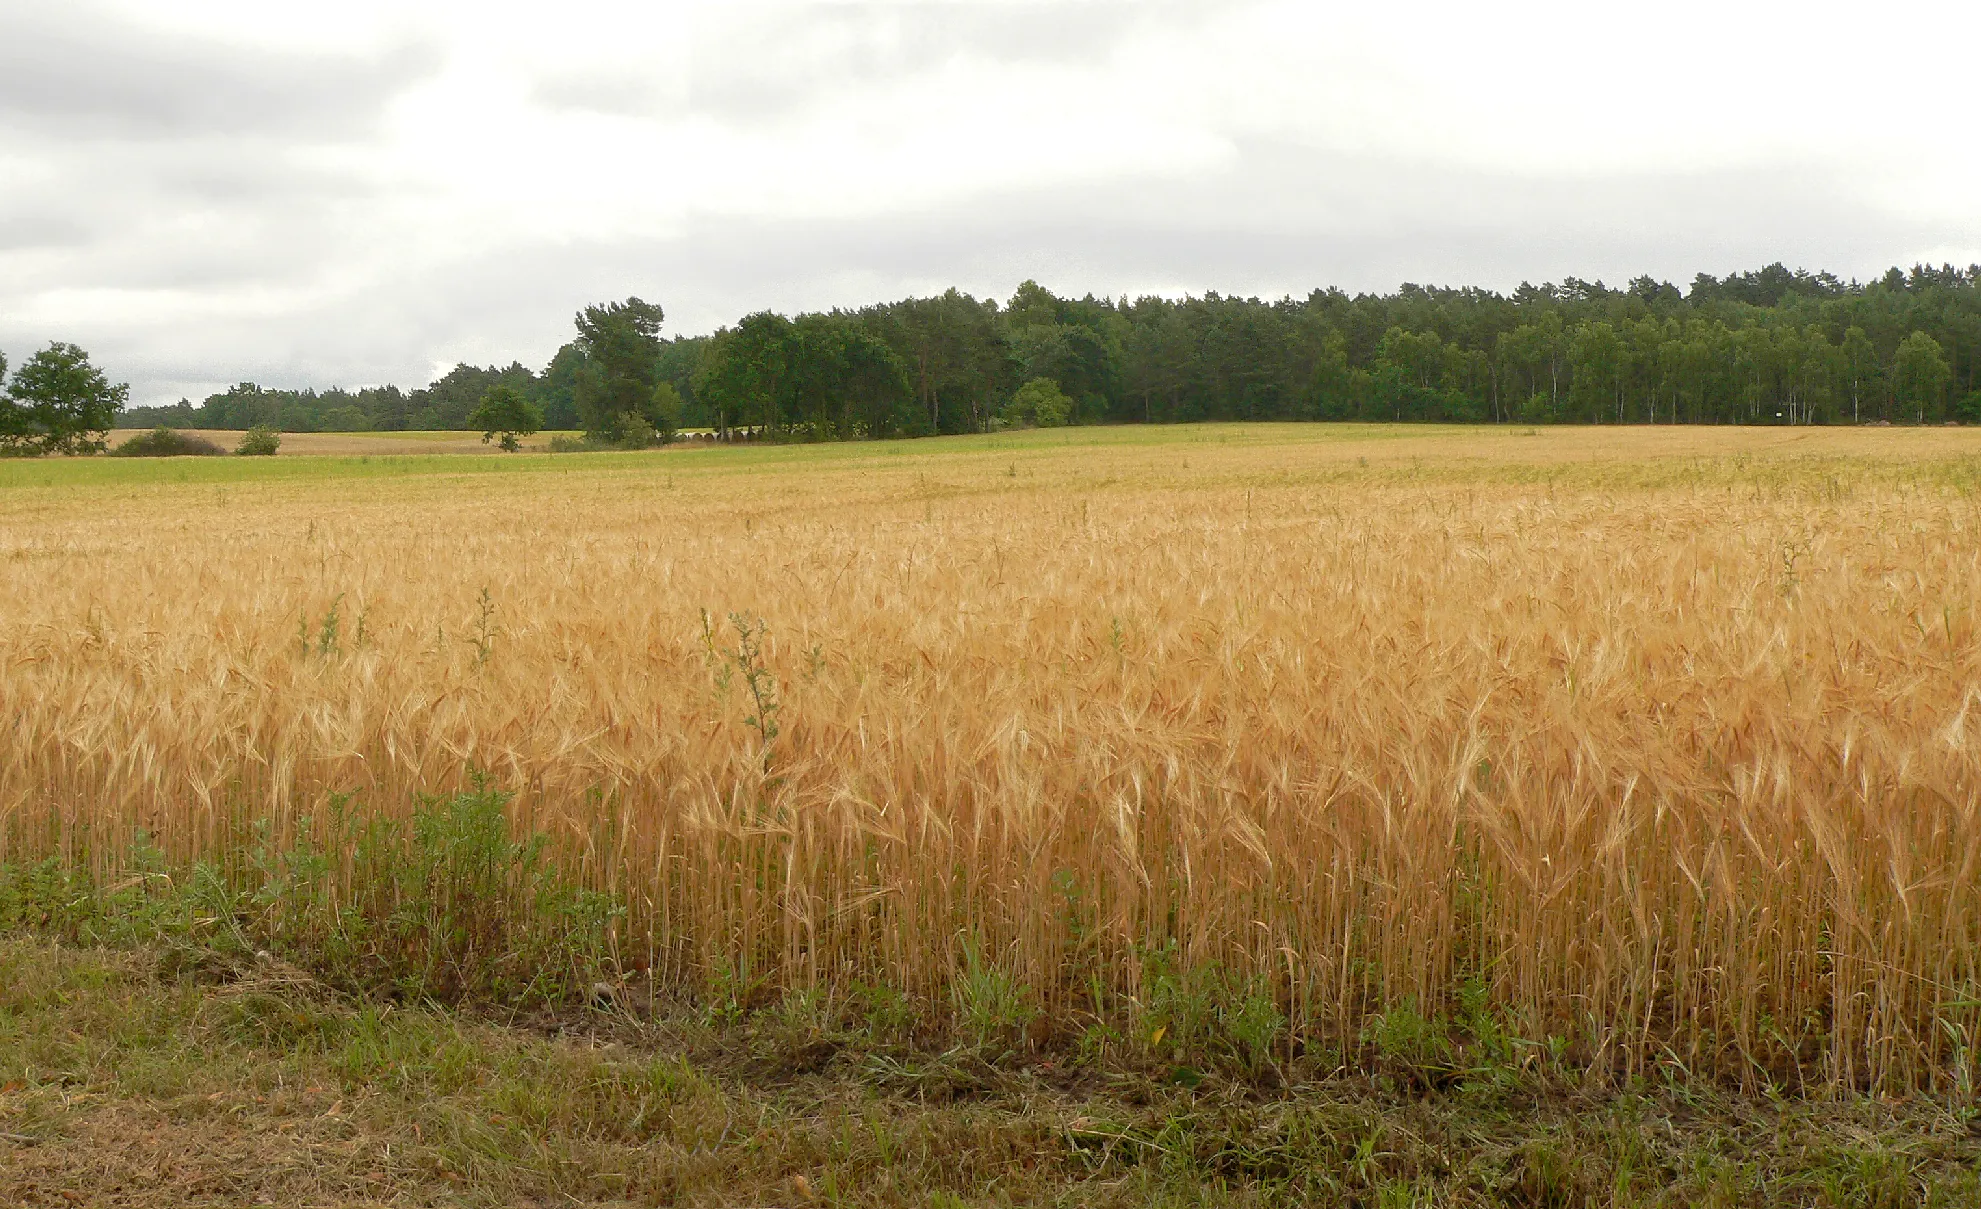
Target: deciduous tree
[1919,374]
[504,413]
[57,402]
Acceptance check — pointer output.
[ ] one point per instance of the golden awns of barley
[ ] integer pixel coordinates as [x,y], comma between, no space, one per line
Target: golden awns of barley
[1672,748]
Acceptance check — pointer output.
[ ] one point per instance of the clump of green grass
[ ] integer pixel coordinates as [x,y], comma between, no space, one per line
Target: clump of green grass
[447,904]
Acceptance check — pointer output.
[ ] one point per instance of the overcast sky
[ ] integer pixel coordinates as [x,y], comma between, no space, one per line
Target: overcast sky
[208,191]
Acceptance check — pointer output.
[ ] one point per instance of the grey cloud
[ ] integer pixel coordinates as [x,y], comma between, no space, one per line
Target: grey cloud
[1282,220]
[174,179]
[73,69]
[777,59]
[176,214]
[40,227]
[758,62]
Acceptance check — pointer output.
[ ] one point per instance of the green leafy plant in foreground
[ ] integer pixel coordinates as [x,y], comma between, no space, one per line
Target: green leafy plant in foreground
[747,658]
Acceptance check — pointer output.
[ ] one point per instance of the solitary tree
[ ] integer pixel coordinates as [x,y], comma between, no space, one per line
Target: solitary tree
[58,402]
[505,413]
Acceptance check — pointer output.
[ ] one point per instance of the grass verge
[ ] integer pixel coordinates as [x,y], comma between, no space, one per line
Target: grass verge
[423,1011]
[127,1078]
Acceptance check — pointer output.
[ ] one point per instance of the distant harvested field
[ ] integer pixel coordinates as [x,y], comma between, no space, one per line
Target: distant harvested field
[1666,744]
[347,443]
[1456,446]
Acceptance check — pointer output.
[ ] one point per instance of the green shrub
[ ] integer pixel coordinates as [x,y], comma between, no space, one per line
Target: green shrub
[166,443]
[636,432]
[628,432]
[261,441]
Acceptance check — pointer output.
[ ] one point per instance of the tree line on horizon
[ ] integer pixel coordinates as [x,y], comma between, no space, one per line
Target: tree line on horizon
[1773,346]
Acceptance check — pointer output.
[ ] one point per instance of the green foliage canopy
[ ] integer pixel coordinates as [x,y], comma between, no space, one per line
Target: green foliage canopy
[615,383]
[1039,402]
[1773,346]
[1919,373]
[57,402]
[505,413]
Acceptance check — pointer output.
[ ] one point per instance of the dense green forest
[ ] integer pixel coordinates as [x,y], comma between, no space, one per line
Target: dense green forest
[1768,347]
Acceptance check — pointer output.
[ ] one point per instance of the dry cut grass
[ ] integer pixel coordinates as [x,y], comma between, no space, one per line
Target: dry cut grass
[1665,745]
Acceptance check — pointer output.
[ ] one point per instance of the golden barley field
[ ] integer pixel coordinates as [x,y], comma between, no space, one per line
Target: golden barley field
[1667,742]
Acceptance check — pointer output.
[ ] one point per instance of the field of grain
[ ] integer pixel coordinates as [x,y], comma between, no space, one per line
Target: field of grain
[1661,746]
